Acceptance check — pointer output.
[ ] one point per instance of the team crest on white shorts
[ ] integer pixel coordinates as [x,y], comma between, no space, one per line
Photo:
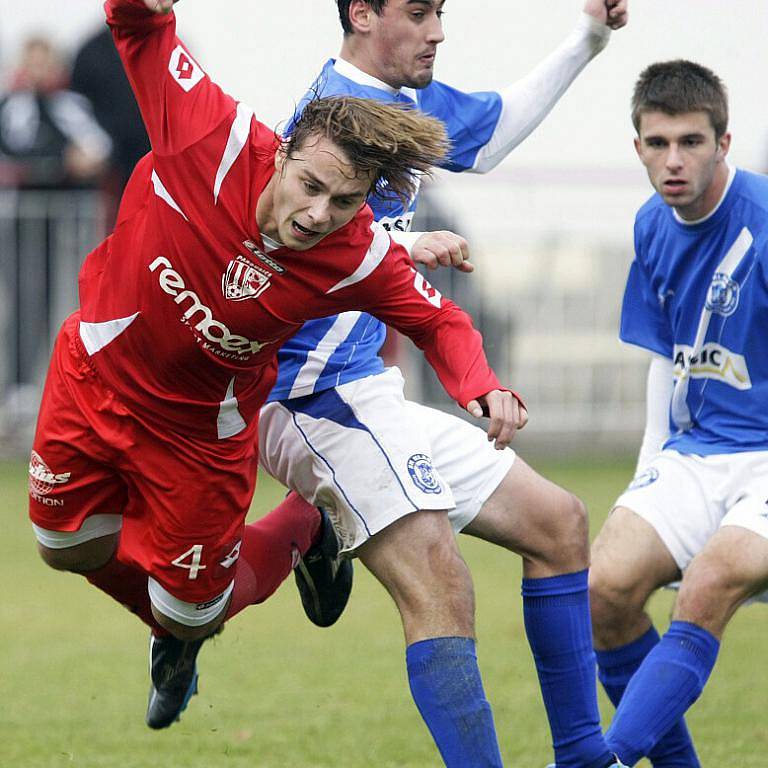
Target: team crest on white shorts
[650,475]
[423,473]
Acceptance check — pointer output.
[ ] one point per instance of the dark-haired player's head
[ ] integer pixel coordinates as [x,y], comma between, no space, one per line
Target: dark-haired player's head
[680,86]
[680,113]
[340,150]
[393,40]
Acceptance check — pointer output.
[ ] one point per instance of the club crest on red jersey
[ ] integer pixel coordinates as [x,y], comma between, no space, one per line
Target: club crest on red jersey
[244,280]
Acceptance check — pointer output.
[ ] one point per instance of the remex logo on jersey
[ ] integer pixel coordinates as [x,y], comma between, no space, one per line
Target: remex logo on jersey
[184,69]
[244,280]
[200,318]
[713,362]
[723,295]
[42,481]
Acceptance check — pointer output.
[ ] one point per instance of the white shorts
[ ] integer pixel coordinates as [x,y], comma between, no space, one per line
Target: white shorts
[686,498]
[369,456]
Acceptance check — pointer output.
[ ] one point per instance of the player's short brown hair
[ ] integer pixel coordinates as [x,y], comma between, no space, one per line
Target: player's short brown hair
[393,143]
[680,86]
[377,6]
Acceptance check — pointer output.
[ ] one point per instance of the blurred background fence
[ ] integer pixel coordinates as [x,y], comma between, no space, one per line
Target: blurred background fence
[44,236]
[552,250]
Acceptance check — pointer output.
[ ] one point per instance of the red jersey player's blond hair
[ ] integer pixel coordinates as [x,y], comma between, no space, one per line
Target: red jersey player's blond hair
[390,143]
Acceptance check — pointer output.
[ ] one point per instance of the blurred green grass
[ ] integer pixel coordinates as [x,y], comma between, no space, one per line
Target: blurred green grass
[276,692]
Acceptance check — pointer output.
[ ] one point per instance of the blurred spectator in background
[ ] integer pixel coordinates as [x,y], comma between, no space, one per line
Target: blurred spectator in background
[53,158]
[98,75]
[49,137]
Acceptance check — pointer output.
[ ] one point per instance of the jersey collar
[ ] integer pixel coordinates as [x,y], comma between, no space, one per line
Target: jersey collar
[351,72]
[270,244]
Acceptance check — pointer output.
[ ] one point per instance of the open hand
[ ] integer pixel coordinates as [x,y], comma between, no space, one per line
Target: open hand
[507,414]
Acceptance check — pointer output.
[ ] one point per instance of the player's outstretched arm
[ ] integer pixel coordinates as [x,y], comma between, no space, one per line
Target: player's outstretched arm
[400,296]
[526,102]
[179,103]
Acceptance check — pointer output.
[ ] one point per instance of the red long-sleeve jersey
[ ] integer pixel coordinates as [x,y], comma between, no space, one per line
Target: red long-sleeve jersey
[182,308]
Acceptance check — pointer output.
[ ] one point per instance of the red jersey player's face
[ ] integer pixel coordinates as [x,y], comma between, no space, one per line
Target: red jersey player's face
[684,160]
[315,191]
[402,42]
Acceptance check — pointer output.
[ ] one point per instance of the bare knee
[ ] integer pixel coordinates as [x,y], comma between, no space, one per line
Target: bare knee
[537,519]
[418,562]
[88,556]
[615,597]
[556,538]
[439,582]
[569,550]
[709,595]
[184,631]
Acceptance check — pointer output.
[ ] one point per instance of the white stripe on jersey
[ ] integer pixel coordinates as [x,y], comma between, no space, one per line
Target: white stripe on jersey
[164,194]
[238,137]
[316,360]
[96,336]
[681,415]
[229,421]
[374,257]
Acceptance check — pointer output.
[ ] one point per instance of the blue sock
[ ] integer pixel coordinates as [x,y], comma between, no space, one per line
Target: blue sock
[446,686]
[557,622]
[670,679]
[615,669]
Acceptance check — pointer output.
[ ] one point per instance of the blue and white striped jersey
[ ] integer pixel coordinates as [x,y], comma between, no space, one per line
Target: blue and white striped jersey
[342,348]
[697,293]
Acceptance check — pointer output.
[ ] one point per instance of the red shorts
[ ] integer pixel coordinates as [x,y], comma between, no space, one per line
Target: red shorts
[183,501]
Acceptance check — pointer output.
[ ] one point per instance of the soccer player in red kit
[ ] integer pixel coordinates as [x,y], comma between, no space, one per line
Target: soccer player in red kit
[227,240]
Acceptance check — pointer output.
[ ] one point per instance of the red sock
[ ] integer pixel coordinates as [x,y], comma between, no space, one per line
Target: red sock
[269,550]
[128,585]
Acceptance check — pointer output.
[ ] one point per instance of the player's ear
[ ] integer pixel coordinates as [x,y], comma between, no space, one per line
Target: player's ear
[638,147]
[360,14]
[723,145]
[281,156]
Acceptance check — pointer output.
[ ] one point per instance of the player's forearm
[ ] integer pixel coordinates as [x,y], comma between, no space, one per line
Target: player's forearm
[454,349]
[659,388]
[179,104]
[527,102]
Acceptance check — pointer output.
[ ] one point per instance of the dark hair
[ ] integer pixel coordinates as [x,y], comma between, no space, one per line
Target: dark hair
[377,6]
[676,87]
[392,143]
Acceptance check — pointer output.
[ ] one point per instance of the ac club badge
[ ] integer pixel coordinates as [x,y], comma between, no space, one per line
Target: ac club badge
[244,280]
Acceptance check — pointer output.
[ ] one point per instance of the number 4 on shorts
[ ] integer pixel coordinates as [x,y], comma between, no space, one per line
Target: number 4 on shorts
[195,555]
